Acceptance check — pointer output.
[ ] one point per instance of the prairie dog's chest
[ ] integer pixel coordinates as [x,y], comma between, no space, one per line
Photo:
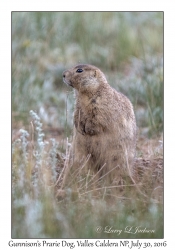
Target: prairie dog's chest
[90,105]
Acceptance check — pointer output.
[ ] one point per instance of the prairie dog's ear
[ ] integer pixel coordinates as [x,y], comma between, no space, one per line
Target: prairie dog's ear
[95,72]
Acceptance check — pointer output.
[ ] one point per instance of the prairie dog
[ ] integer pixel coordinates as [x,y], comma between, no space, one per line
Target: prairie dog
[104,122]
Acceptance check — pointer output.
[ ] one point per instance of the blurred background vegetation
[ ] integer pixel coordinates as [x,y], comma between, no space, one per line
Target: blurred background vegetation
[128,48]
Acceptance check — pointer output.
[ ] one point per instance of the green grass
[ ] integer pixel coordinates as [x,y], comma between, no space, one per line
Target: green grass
[128,47]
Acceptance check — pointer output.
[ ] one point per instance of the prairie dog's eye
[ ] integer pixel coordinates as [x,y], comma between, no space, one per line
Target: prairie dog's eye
[79,70]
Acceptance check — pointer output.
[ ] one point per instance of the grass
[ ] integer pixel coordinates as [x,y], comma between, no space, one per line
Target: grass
[50,199]
[54,204]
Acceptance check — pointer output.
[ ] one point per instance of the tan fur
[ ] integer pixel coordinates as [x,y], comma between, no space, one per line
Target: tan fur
[104,122]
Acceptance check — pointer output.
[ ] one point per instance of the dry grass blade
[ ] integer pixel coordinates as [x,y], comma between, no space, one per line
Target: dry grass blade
[103,176]
[78,171]
[94,176]
[109,187]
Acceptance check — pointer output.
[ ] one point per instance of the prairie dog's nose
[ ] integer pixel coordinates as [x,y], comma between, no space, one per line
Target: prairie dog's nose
[66,77]
[65,73]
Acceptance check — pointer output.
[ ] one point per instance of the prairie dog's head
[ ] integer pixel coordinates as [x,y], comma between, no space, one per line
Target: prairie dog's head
[84,78]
